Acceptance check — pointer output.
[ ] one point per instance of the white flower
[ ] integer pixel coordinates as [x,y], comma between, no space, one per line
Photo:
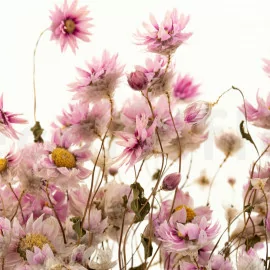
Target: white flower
[258,183]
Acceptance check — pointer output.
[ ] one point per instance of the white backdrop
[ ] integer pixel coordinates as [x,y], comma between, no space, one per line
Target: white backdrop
[229,41]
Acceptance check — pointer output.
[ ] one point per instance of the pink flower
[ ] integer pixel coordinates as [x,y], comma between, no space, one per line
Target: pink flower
[99,81]
[184,88]
[9,165]
[159,82]
[259,116]
[171,181]
[197,112]
[219,263]
[139,144]
[6,121]
[85,124]
[166,37]
[61,163]
[70,24]
[266,68]
[137,80]
[38,256]
[249,260]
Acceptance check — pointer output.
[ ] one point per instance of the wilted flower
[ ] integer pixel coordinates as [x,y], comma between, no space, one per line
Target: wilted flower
[99,81]
[6,121]
[197,112]
[137,80]
[259,117]
[228,142]
[184,88]
[166,37]
[70,23]
[171,181]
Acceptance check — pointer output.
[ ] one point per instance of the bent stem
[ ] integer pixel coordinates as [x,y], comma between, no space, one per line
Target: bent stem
[34,73]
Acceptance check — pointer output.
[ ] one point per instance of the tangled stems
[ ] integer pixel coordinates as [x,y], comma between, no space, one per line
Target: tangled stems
[19,202]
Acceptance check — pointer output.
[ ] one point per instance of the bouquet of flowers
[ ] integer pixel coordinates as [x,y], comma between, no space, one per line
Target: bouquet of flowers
[66,203]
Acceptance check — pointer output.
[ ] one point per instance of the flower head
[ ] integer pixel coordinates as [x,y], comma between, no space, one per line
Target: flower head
[259,116]
[184,89]
[70,23]
[166,37]
[99,81]
[249,260]
[137,80]
[197,112]
[7,119]
[171,181]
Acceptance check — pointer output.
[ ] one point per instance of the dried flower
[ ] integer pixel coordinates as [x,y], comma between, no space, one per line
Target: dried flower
[171,181]
[70,24]
[166,37]
[137,80]
[258,183]
[197,112]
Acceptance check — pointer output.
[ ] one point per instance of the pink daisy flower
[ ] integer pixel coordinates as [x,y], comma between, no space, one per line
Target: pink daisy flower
[158,81]
[259,116]
[99,81]
[61,162]
[43,234]
[6,121]
[70,24]
[184,88]
[85,124]
[139,144]
[166,37]
[9,165]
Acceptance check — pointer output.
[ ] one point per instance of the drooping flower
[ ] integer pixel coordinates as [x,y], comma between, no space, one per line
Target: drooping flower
[85,124]
[228,142]
[158,77]
[9,165]
[99,81]
[70,23]
[259,116]
[184,88]
[197,112]
[7,119]
[166,37]
[60,163]
[139,144]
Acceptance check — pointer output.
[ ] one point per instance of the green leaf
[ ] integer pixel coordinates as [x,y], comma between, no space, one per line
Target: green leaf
[245,135]
[138,191]
[77,226]
[37,131]
[141,208]
[156,175]
[148,248]
[140,267]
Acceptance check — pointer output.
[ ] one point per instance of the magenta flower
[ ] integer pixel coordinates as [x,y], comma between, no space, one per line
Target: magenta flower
[6,121]
[166,37]
[99,81]
[70,24]
[266,68]
[139,144]
[61,163]
[137,80]
[158,81]
[184,88]
[85,124]
[259,117]
[171,181]
[197,112]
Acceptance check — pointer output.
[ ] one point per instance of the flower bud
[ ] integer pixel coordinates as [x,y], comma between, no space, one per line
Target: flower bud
[197,111]
[137,80]
[171,181]
[113,171]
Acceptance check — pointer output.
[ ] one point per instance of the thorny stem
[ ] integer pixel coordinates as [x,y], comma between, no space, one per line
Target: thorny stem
[56,215]
[214,178]
[34,74]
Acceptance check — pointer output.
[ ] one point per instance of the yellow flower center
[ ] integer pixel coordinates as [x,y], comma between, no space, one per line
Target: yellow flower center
[70,26]
[63,158]
[3,164]
[190,213]
[31,240]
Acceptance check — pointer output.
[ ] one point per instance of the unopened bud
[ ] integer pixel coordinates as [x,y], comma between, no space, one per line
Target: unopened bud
[137,80]
[171,181]
[197,111]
